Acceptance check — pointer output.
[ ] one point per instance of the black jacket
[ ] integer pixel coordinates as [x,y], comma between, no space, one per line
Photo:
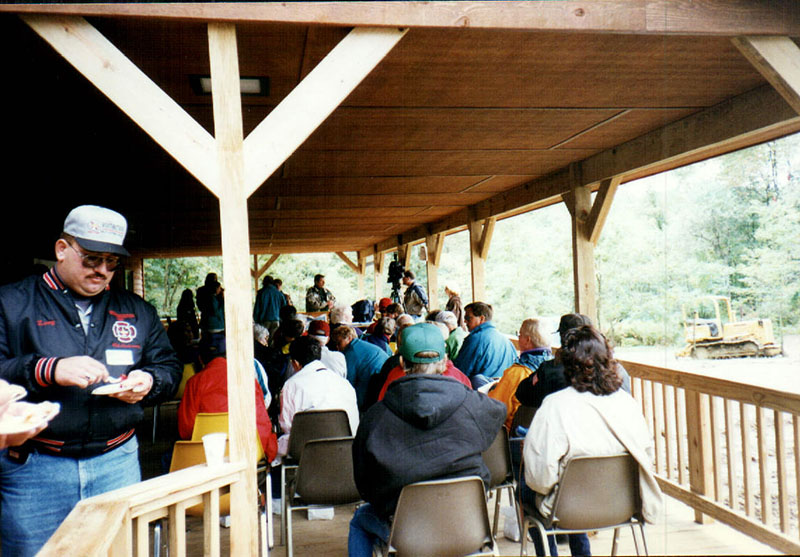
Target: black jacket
[39,324]
[426,427]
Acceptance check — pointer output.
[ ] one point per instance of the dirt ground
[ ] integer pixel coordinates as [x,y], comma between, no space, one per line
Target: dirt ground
[779,372]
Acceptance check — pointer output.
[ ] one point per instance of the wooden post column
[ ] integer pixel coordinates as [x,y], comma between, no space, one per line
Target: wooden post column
[587,224]
[433,247]
[378,258]
[358,268]
[226,99]
[137,268]
[480,238]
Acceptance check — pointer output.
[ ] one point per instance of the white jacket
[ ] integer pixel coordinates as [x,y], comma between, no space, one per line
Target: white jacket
[570,424]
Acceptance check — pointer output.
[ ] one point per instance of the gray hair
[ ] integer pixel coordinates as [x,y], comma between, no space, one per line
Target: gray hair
[430,368]
[445,330]
[260,333]
[448,318]
[338,314]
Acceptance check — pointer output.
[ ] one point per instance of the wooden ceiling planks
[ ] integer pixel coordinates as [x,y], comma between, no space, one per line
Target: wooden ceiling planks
[454,122]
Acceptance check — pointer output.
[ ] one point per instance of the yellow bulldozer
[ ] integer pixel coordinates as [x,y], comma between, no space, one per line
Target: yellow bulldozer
[712,332]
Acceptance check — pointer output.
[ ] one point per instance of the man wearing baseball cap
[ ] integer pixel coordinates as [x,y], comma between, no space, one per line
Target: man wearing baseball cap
[426,427]
[321,331]
[63,335]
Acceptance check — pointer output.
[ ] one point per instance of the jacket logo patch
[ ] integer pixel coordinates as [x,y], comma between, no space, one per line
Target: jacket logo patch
[43,323]
[124,332]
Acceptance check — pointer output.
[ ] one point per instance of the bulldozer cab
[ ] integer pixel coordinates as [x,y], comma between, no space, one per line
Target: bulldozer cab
[706,318]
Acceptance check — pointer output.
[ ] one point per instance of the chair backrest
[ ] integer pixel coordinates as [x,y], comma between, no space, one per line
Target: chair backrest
[188,372]
[522,417]
[316,424]
[325,472]
[498,459]
[426,521]
[217,422]
[191,453]
[596,492]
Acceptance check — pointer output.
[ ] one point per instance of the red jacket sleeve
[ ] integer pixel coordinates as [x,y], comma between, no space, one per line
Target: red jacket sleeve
[268,440]
[188,408]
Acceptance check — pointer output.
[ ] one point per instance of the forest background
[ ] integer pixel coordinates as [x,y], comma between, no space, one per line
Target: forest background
[727,226]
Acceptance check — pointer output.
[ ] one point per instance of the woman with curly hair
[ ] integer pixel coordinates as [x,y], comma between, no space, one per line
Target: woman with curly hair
[591,417]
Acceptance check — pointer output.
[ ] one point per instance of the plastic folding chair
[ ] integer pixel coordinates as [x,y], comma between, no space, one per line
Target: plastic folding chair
[324,478]
[442,518]
[306,426]
[498,460]
[595,493]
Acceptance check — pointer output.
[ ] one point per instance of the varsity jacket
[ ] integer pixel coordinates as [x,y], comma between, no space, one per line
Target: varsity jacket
[39,324]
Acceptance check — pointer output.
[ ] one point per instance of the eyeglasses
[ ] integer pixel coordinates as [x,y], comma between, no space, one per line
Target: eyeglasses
[91,261]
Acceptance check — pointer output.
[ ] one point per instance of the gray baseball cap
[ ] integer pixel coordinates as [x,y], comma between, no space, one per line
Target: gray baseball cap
[97,229]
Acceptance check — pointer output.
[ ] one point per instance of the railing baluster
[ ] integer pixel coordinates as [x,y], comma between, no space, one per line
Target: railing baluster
[747,464]
[141,533]
[716,451]
[796,447]
[780,453]
[177,530]
[763,469]
[211,523]
[730,452]
[680,429]
[668,433]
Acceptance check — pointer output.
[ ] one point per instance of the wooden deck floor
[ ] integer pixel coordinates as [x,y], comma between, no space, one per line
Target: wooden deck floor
[675,534]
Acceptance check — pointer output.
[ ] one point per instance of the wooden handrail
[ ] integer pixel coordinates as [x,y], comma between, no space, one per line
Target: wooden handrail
[715,439]
[107,524]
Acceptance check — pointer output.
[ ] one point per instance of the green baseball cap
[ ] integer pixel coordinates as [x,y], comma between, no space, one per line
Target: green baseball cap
[422,337]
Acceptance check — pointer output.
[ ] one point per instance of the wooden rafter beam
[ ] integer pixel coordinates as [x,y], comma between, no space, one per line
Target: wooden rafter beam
[108,69]
[258,272]
[290,123]
[710,17]
[778,60]
[742,121]
[348,261]
[601,207]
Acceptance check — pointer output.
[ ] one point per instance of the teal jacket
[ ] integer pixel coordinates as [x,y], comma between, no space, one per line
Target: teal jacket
[485,351]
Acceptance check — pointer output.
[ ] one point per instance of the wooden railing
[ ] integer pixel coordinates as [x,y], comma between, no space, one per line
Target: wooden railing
[729,450]
[117,523]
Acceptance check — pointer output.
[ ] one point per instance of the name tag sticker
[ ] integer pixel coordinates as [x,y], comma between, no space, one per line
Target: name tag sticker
[119,357]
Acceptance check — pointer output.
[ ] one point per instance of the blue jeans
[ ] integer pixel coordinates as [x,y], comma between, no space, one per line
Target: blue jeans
[578,543]
[366,530]
[37,495]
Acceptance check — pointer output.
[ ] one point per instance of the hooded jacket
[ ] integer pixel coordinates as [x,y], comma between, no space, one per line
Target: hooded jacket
[426,427]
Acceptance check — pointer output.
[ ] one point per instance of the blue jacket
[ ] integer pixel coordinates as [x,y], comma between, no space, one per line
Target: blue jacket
[269,302]
[532,359]
[363,360]
[485,351]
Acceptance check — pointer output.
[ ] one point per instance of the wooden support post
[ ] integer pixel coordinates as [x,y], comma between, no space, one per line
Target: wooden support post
[480,238]
[137,268]
[778,60]
[226,98]
[404,254]
[362,271]
[698,430]
[433,246]
[378,258]
[579,204]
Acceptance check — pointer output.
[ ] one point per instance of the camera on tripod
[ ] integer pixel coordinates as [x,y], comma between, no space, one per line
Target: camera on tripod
[396,271]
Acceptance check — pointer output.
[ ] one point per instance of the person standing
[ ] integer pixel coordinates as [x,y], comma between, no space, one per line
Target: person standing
[415,300]
[319,298]
[211,303]
[186,312]
[269,301]
[62,335]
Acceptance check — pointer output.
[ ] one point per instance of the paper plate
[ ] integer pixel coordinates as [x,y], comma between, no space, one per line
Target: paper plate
[25,416]
[110,389]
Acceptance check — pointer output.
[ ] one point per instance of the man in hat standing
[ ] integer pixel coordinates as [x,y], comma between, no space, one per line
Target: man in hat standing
[65,336]
[426,427]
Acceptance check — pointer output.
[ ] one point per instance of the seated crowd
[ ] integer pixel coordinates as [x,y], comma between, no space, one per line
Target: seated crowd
[426,395]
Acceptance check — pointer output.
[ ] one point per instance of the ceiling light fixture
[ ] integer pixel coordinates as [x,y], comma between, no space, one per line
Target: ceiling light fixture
[250,86]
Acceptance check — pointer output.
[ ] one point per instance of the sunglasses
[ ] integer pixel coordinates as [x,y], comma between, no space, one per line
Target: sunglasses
[91,261]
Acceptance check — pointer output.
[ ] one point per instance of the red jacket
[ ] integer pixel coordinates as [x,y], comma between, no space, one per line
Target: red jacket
[207,391]
[451,371]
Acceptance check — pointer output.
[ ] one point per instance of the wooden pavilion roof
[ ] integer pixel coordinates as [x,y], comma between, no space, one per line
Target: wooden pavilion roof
[482,109]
